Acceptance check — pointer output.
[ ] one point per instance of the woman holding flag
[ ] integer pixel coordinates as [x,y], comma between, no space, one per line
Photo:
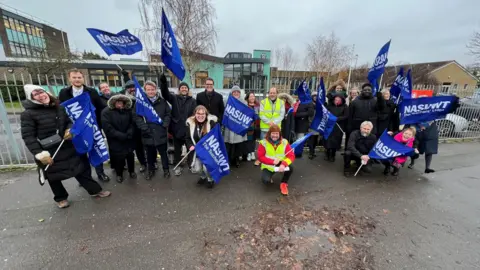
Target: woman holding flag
[276,155]
[339,108]
[236,144]
[198,126]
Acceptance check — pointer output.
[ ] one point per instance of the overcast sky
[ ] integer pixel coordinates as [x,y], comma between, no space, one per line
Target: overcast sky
[421,30]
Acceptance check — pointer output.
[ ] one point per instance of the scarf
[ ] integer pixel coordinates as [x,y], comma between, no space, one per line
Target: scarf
[153,99]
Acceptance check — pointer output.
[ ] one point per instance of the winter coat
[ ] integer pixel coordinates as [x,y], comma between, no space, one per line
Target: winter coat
[365,109]
[106,98]
[359,145]
[182,108]
[39,122]
[388,118]
[302,116]
[66,94]
[195,134]
[428,139]
[254,129]
[399,138]
[314,104]
[232,137]
[214,104]
[332,92]
[334,141]
[288,122]
[118,127]
[137,133]
[155,134]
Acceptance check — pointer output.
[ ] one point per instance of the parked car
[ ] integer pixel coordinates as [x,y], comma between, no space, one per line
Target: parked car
[466,117]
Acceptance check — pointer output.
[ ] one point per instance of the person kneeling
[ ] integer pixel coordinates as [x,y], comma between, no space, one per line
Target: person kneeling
[359,145]
[275,154]
[406,137]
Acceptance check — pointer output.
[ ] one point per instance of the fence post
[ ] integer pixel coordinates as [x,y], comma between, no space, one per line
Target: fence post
[8,130]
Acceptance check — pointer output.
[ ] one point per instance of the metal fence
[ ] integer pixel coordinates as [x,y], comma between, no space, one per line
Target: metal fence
[465,123]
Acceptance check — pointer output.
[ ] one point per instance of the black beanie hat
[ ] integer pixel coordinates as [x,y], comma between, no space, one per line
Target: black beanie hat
[129,84]
[183,84]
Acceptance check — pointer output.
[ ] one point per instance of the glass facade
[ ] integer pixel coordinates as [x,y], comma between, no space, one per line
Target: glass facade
[246,75]
[25,40]
[115,81]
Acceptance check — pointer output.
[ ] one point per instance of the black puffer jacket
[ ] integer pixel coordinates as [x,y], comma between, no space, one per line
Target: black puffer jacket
[359,145]
[182,108]
[304,112]
[365,109]
[334,141]
[66,94]
[388,118]
[40,122]
[214,104]
[155,134]
[118,126]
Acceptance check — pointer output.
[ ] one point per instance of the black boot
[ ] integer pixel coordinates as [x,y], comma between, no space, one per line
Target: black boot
[150,175]
[310,156]
[201,181]
[119,179]
[166,174]
[428,170]
[332,156]
[327,155]
[133,175]
[237,162]
[103,177]
[386,171]
[143,168]
[210,184]
[395,171]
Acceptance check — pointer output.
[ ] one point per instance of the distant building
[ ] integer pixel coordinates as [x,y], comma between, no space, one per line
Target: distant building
[245,70]
[288,80]
[28,37]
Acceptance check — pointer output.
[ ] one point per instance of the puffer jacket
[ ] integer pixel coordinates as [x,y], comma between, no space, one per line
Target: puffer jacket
[118,126]
[365,109]
[39,122]
[155,134]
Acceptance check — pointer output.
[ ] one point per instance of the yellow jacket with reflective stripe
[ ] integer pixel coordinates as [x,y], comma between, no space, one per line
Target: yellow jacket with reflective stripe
[270,113]
[272,153]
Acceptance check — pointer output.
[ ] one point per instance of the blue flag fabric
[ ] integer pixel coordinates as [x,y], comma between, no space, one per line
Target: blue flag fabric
[418,110]
[211,150]
[238,116]
[143,107]
[87,136]
[321,92]
[299,144]
[171,56]
[407,86]
[386,148]
[378,66]
[397,85]
[323,122]
[121,43]
[289,111]
[303,93]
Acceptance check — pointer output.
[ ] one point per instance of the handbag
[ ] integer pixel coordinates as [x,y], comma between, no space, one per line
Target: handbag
[51,141]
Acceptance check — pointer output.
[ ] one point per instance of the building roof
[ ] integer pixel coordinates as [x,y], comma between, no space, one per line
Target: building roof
[203,56]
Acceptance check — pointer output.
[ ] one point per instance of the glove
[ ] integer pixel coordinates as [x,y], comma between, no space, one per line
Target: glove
[163,79]
[379,95]
[44,157]
[125,73]
[67,136]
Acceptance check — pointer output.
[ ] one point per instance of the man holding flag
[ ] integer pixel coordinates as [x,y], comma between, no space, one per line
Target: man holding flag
[276,155]
[359,145]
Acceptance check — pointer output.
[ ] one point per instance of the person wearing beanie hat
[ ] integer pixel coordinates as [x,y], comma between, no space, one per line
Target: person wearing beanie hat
[235,144]
[183,106]
[276,154]
[42,119]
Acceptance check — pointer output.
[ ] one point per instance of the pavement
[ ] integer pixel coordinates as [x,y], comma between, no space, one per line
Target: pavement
[416,221]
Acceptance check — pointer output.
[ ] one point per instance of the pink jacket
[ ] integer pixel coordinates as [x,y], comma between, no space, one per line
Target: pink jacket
[409,143]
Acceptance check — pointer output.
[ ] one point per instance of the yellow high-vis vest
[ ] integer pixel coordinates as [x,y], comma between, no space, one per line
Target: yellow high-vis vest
[272,153]
[270,112]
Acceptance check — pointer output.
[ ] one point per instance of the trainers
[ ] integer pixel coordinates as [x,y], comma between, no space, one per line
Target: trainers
[63,204]
[133,175]
[103,177]
[284,189]
[249,157]
[150,175]
[102,194]
[178,171]
[252,156]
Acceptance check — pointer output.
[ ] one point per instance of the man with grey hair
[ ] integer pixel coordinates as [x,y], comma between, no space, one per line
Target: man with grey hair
[359,145]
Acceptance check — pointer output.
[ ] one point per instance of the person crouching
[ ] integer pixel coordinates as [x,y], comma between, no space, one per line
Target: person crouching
[274,152]
[406,137]
[118,127]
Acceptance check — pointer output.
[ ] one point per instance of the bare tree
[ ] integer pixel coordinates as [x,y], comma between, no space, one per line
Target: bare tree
[193,23]
[474,47]
[287,62]
[327,55]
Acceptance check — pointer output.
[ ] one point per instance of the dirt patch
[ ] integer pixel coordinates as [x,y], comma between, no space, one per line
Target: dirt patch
[295,238]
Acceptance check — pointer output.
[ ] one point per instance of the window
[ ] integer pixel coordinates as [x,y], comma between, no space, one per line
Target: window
[246,69]
[200,78]
[112,78]
[446,87]
[6,22]
[254,68]
[260,68]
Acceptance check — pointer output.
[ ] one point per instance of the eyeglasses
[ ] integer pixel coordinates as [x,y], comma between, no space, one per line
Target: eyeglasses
[36,94]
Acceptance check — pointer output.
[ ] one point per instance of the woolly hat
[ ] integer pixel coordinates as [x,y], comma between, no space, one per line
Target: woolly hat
[183,84]
[235,88]
[29,88]
[129,84]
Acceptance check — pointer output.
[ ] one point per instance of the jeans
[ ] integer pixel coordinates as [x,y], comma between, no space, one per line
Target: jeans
[86,181]
[267,175]
[152,156]
[119,163]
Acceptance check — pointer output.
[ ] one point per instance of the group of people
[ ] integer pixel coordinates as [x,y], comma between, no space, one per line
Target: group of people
[361,117]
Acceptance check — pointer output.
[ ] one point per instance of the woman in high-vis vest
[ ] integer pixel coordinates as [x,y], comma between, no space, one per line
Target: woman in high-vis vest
[276,155]
[272,112]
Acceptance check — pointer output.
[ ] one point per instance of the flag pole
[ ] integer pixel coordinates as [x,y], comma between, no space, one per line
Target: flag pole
[182,159]
[340,128]
[56,152]
[381,79]
[358,169]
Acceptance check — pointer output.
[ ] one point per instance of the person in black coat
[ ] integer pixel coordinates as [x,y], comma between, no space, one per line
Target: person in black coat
[212,100]
[304,112]
[105,93]
[426,141]
[77,88]
[339,108]
[183,105]
[359,145]
[288,122]
[43,118]
[118,127]
[389,117]
[155,136]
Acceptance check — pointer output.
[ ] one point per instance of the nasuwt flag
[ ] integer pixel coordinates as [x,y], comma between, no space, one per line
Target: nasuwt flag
[321,92]
[407,87]
[396,88]
[303,93]
[211,150]
[238,116]
[323,122]
[299,144]
[121,43]
[171,56]
[87,137]
[143,107]
[378,66]
[417,110]
[387,148]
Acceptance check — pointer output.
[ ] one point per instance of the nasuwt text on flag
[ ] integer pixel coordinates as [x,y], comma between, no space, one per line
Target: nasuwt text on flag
[425,109]
[211,150]
[378,67]
[121,43]
[324,121]
[387,148]
[238,116]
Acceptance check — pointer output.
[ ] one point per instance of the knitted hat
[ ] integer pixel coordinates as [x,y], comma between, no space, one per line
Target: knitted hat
[183,84]
[235,88]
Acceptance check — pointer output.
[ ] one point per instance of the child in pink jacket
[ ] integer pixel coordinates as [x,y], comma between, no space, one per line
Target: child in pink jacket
[406,137]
